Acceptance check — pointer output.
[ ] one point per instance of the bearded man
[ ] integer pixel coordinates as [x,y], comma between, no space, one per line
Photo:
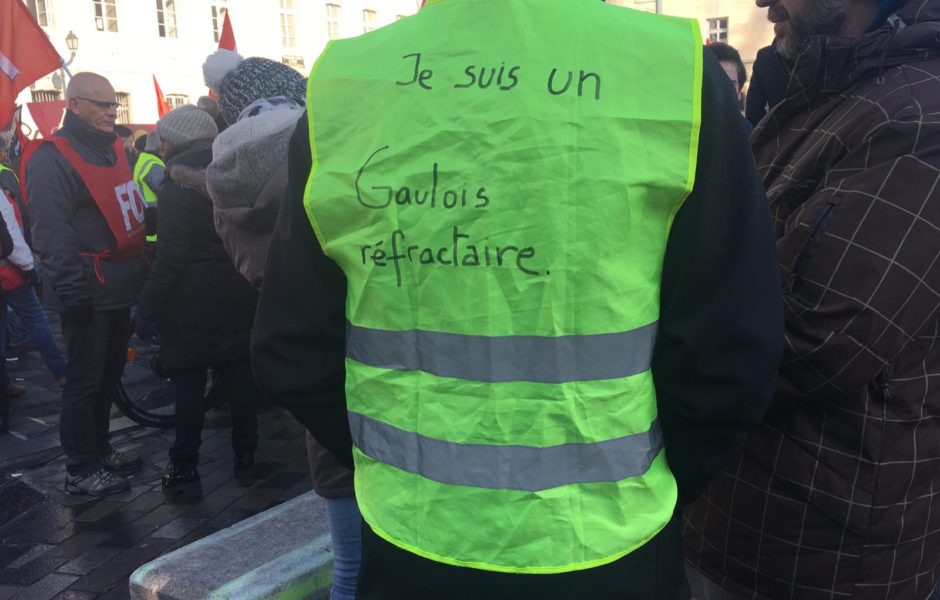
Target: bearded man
[837,493]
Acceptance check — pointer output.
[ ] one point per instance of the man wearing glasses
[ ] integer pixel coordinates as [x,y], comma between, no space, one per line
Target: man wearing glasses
[88,226]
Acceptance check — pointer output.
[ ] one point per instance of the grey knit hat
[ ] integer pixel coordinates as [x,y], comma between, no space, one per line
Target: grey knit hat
[186,124]
[239,82]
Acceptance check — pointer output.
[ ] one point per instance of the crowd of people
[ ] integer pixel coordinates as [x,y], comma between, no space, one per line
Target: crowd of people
[715,378]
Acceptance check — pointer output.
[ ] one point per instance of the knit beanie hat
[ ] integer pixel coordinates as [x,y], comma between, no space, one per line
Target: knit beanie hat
[239,82]
[186,124]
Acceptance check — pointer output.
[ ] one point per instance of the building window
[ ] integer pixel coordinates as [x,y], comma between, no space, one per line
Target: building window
[294,61]
[124,108]
[368,21]
[288,30]
[106,15]
[332,21]
[46,95]
[40,11]
[718,30]
[177,100]
[218,18]
[166,18]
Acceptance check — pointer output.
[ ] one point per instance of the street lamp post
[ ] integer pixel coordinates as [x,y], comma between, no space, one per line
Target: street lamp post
[58,80]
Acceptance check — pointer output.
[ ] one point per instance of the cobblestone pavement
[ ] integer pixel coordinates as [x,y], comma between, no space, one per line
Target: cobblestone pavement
[53,545]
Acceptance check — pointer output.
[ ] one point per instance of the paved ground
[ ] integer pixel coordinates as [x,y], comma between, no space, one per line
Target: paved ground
[53,545]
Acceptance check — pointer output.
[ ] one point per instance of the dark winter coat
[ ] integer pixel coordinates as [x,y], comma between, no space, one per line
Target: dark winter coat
[837,494]
[768,87]
[205,309]
[68,227]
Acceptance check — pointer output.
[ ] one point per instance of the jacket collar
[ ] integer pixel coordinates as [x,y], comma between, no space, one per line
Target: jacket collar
[828,65]
[87,134]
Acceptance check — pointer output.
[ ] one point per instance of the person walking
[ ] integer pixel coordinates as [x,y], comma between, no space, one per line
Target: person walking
[204,309]
[88,227]
[519,294]
[835,494]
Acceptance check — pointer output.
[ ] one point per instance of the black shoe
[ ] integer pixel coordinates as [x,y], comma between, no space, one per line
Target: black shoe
[183,482]
[98,483]
[245,469]
[122,464]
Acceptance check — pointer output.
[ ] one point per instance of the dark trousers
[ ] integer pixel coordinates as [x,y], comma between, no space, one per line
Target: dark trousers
[237,381]
[653,572]
[95,354]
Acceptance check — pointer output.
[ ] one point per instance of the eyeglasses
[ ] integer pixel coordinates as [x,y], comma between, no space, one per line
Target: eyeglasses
[100,104]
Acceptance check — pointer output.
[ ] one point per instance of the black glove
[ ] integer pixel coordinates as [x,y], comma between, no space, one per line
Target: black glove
[32,277]
[81,315]
[145,329]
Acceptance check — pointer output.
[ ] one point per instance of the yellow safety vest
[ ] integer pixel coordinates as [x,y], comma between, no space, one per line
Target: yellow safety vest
[497,180]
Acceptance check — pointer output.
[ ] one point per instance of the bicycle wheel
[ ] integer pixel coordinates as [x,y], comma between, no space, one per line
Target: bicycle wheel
[146,394]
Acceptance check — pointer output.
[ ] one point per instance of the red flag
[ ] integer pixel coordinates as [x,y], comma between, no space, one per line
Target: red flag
[163,106]
[25,55]
[47,115]
[227,39]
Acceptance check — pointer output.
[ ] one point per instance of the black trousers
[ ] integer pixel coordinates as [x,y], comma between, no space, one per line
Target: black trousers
[653,572]
[239,386]
[96,354]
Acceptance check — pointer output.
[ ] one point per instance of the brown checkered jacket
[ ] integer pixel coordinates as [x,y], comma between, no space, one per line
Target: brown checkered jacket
[837,494]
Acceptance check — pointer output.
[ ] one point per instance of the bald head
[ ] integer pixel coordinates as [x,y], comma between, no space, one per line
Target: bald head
[91,98]
[88,84]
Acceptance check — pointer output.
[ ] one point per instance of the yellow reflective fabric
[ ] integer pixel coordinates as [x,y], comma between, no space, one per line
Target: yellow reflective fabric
[146,162]
[6,168]
[497,181]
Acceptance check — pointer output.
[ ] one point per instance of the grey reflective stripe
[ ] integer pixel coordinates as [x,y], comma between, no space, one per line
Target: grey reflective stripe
[509,358]
[525,468]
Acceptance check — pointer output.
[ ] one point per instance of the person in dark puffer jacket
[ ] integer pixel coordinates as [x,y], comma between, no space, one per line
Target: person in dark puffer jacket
[837,493]
[204,308]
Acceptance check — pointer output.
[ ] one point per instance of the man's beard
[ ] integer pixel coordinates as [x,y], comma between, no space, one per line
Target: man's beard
[817,17]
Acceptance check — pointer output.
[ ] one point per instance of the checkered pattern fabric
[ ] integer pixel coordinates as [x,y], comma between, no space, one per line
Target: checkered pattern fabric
[837,494]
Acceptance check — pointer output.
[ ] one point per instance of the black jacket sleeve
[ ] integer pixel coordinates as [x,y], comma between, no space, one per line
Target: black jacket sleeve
[6,240]
[721,326]
[721,331]
[299,336]
[174,249]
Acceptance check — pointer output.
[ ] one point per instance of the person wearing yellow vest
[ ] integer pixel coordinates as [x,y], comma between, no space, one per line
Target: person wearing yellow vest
[148,175]
[523,281]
